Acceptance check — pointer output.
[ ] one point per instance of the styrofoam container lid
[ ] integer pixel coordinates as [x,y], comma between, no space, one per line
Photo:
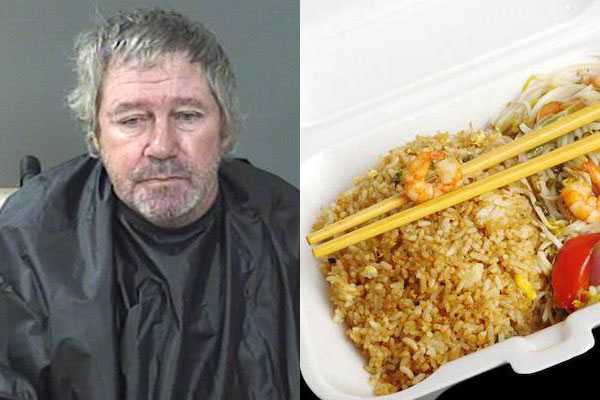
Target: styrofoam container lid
[375,75]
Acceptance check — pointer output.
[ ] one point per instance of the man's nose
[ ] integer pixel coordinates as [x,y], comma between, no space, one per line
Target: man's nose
[162,142]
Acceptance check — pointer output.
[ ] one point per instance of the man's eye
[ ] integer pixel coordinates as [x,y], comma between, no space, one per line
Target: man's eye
[130,121]
[188,116]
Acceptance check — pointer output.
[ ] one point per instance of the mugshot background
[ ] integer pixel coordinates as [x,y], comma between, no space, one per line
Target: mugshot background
[261,38]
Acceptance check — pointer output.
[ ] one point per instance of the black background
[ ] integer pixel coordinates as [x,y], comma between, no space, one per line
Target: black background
[570,379]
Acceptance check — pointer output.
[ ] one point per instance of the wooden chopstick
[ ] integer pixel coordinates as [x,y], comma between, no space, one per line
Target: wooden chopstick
[510,175]
[524,143]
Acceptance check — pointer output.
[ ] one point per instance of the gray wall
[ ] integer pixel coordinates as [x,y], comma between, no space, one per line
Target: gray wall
[261,38]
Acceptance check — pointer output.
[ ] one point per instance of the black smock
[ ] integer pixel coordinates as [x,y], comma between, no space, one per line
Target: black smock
[97,303]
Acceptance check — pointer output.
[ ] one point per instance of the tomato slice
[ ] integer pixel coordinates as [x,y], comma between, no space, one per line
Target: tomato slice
[570,273]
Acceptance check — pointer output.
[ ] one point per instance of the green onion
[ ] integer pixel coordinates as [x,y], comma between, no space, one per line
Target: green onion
[398,178]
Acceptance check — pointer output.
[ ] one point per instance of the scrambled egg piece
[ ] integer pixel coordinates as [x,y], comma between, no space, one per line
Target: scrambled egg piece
[525,285]
[369,272]
[556,226]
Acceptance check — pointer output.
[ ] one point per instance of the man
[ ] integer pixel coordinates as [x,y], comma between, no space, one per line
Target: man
[155,267]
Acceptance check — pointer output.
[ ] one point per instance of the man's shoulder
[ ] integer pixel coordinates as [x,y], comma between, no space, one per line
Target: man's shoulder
[256,188]
[55,190]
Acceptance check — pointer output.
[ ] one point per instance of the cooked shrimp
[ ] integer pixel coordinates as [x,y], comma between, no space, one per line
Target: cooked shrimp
[579,197]
[555,107]
[551,108]
[448,171]
[593,171]
[593,80]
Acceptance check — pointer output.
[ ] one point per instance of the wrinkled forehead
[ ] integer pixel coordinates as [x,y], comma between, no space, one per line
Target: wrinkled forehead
[168,79]
[174,66]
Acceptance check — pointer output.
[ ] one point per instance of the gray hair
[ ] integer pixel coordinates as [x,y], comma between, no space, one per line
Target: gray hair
[143,36]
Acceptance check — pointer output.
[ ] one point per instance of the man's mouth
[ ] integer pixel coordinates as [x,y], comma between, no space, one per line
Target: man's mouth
[163,179]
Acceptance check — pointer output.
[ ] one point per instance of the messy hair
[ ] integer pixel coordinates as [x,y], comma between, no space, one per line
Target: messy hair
[142,36]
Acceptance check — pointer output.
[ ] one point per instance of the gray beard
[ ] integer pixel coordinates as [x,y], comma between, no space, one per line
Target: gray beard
[165,204]
[147,203]
[168,205]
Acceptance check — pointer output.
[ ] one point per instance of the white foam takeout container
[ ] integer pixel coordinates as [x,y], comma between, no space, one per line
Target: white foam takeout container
[375,74]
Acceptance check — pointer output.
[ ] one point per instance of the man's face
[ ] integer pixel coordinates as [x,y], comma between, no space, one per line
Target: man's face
[159,139]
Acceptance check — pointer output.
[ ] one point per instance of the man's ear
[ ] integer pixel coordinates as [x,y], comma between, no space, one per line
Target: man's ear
[225,144]
[225,140]
[93,142]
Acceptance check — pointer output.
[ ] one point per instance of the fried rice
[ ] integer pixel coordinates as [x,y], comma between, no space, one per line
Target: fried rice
[447,285]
